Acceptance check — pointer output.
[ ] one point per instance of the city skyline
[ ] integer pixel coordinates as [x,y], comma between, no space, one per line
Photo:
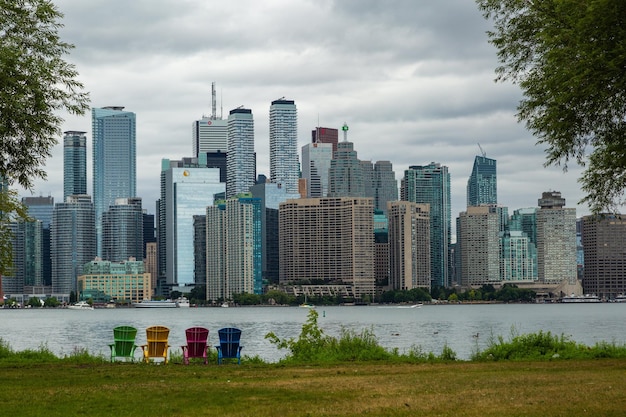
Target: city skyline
[422,93]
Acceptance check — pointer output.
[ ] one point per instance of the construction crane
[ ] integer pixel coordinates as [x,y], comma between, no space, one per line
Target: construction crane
[484,154]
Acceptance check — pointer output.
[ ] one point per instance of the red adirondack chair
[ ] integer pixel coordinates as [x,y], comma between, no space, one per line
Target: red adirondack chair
[196,346]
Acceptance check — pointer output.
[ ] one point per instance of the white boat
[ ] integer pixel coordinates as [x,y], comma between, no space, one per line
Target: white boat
[620,298]
[225,305]
[182,302]
[156,304]
[585,298]
[81,305]
[411,306]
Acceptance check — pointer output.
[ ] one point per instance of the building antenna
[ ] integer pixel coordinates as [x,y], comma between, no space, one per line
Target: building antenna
[213,102]
[483,153]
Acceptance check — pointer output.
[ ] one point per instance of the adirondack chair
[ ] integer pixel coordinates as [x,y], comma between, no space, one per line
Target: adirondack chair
[157,345]
[196,346]
[123,345]
[229,347]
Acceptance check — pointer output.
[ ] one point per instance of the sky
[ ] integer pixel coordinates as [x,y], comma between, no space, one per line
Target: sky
[413,80]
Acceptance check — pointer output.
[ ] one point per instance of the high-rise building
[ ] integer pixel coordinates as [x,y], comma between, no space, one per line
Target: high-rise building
[409,245]
[149,235]
[240,156]
[604,243]
[187,188]
[151,264]
[114,159]
[73,242]
[517,257]
[210,133]
[41,208]
[328,240]
[325,135]
[122,230]
[284,163]
[482,185]
[27,268]
[430,184]
[385,185]
[74,163]
[556,240]
[524,220]
[316,159]
[478,241]
[234,256]
[345,176]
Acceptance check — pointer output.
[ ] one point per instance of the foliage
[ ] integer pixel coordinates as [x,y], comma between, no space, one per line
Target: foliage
[545,346]
[405,296]
[569,58]
[36,82]
[52,302]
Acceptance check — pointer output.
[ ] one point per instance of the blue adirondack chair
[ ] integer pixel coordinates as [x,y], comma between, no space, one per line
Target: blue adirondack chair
[229,347]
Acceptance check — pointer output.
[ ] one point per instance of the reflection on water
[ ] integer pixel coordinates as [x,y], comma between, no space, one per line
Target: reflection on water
[464,328]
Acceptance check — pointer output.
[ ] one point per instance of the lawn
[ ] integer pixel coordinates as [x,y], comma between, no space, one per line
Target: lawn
[507,388]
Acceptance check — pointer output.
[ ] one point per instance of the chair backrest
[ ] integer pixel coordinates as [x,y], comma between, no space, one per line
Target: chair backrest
[196,341]
[229,341]
[124,339]
[157,340]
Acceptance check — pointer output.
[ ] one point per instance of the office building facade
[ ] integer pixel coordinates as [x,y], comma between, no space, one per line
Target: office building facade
[41,208]
[284,163]
[316,159]
[325,135]
[430,184]
[479,243]
[122,230]
[114,159]
[328,240]
[74,163]
[482,185]
[124,282]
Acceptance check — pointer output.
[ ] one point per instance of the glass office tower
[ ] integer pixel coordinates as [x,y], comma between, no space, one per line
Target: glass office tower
[284,163]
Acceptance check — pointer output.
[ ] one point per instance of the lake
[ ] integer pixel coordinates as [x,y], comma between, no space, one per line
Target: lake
[429,327]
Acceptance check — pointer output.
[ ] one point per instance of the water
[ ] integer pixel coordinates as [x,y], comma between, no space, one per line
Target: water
[429,327]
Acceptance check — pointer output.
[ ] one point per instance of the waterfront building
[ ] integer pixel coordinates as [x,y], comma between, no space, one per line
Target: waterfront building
[524,220]
[74,163]
[125,281]
[149,235]
[482,185]
[234,257]
[270,196]
[151,264]
[430,184]
[187,188]
[27,267]
[604,243]
[122,230]
[284,163]
[556,240]
[316,158]
[41,208]
[325,135]
[114,159]
[517,257]
[240,156]
[73,241]
[199,249]
[381,249]
[345,176]
[409,245]
[328,241]
[478,241]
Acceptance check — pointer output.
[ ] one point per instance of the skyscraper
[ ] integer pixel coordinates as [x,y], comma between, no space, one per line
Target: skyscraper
[41,208]
[234,258]
[430,184]
[284,163]
[556,240]
[114,159]
[345,176]
[409,245]
[187,188]
[482,185]
[325,135]
[74,163]
[122,230]
[240,156]
[210,137]
[385,185]
[316,159]
[604,242]
[478,241]
[73,241]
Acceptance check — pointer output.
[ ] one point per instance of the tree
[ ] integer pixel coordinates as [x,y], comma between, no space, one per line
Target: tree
[36,83]
[569,58]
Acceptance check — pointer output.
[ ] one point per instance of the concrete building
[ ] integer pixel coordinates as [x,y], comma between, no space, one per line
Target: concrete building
[124,282]
[328,241]
[240,156]
[74,163]
[284,162]
[325,135]
[409,245]
[556,240]
[479,243]
[604,243]
[345,176]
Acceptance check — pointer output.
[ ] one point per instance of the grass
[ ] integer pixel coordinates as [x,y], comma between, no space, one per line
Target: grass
[508,388]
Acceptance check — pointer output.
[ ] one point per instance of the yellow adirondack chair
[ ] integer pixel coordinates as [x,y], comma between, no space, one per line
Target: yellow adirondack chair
[157,344]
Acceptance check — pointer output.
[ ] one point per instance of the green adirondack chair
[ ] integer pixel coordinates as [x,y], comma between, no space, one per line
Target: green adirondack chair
[123,345]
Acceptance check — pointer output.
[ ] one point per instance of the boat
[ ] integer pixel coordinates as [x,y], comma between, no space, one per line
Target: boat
[585,298]
[182,302]
[156,304]
[412,306]
[225,305]
[620,298]
[81,305]
[306,304]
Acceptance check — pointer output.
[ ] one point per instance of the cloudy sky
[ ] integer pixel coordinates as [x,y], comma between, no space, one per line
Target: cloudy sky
[412,79]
